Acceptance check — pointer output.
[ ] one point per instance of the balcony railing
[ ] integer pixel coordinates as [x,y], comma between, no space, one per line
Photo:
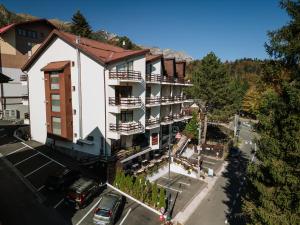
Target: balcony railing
[178,116]
[166,99]
[126,102]
[178,98]
[152,121]
[179,80]
[167,119]
[153,78]
[25,97]
[125,75]
[126,127]
[26,116]
[23,78]
[152,100]
[167,79]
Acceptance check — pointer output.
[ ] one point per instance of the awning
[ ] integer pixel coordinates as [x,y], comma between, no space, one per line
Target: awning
[148,149]
[55,66]
[4,78]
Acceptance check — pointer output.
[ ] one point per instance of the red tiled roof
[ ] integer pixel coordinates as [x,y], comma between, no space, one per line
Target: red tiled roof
[99,51]
[55,66]
[151,57]
[8,27]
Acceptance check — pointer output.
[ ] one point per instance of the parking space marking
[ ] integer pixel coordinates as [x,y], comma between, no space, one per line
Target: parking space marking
[208,162]
[40,188]
[24,160]
[187,184]
[172,189]
[19,149]
[58,203]
[43,154]
[91,209]
[32,172]
[129,210]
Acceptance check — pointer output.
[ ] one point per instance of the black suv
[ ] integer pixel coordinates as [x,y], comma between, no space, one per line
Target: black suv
[61,180]
[82,191]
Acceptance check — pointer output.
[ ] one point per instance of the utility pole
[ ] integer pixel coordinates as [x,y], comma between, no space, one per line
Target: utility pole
[169,145]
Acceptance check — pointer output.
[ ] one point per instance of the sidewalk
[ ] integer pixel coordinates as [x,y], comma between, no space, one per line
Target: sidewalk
[183,216]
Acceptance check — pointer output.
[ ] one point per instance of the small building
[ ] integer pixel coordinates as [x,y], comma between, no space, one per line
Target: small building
[18,41]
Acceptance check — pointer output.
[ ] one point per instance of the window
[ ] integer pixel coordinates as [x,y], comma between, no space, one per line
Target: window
[126,116]
[148,113]
[55,103]
[56,125]
[154,139]
[125,67]
[54,80]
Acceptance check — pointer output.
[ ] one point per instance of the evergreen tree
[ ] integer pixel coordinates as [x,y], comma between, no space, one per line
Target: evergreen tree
[191,129]
[211,84]
[80,26]
[154,194]
[273,190]
[162,198]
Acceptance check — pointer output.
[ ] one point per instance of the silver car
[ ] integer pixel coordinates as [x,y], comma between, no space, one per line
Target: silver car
[106,210]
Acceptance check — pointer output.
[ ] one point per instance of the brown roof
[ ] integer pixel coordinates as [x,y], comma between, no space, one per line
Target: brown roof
[99,51]
[169,67]
[8,27]
[180,68]
[151,58]
[55,66]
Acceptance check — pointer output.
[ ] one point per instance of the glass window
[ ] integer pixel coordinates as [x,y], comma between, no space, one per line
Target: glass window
[55,103]
[56,125]
[121,67]
[126,116]
[54,80]
[130,65]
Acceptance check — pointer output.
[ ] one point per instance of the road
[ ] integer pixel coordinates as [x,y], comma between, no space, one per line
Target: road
[222,205]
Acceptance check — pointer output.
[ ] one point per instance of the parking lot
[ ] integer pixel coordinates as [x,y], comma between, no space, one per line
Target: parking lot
[34,163]
[181,188]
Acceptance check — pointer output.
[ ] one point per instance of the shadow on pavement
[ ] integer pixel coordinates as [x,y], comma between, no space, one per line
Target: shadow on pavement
[235,173]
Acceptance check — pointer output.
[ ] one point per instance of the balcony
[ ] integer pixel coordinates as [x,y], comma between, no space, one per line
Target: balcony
[152,101]
[188,83]
[167,80]
[178,117]
[188,98]
[166,120]
[115,77]
[178,99]
[179,81]
[153,78]
[166,100]
[152,123]
[187,113]
[125,103]
[126,128]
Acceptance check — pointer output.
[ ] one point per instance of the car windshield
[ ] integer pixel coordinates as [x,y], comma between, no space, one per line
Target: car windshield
[102,212]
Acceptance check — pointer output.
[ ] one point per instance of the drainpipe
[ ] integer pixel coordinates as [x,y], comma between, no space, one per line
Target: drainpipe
[79,86]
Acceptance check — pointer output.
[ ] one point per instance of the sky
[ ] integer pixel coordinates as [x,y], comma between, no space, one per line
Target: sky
[232,29]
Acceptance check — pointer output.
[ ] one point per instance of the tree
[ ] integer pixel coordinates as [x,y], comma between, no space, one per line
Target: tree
[191,129]
[162,198]
[154,194]
[80,26]
[212,84]
[273,190]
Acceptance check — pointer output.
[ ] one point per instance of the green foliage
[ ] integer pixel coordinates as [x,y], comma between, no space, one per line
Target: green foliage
[124,42]
[191,129]
[273,191]
[7,17]
[154,195]
[221,93]
[80,26]
[162,198]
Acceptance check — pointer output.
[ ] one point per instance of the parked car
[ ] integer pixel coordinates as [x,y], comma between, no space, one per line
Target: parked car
[61,179]
[82,191]
[107,209]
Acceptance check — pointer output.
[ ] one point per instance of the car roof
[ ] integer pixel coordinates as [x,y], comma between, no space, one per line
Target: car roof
[81,184]
[108,201]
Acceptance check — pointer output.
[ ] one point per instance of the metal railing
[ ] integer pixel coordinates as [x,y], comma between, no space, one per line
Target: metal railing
[126,127]
[178,116]
[125,75]
[167,118]
[26,116]
[129,101]
[152,100]
[153,78]
[166,99]
[152,121]
[178,98]
[179,80]
[167,79]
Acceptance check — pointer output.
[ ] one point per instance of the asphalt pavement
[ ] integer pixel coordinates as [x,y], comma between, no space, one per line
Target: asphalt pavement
[222,205]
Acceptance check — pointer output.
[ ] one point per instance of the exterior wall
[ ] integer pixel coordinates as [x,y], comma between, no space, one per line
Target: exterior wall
[8,43]
[169,66]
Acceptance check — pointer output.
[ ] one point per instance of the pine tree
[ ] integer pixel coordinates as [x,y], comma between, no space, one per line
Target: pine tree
[191,129]
[154,195]
[80,26]
[273,190]
[162,198]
